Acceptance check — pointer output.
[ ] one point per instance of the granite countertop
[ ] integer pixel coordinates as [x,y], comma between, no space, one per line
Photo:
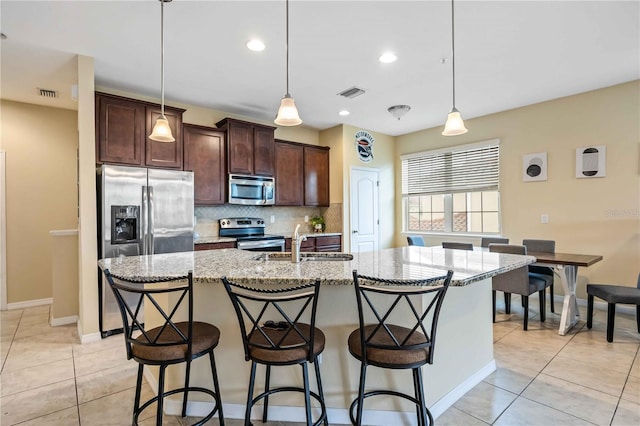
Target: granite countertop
[214,239]
[240,266]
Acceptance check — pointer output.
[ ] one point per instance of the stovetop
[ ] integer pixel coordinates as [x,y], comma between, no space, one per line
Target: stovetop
[246,229]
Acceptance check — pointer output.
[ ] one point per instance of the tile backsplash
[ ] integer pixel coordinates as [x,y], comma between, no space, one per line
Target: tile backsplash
[286,218]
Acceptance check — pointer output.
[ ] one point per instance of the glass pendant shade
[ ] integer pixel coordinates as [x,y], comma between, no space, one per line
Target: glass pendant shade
[454,125]
[288,113]
[162,131]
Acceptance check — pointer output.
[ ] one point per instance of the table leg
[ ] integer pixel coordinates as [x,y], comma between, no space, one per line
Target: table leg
[570,312]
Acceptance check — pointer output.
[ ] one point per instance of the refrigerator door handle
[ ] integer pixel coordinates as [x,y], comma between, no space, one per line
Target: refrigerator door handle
[144,216]
[151,249]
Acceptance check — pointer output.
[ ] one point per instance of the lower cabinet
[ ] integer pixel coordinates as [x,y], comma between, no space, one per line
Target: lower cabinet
[214,246]
[318,243]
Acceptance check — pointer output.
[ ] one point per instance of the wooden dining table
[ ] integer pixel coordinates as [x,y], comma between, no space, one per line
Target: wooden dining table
[566,265]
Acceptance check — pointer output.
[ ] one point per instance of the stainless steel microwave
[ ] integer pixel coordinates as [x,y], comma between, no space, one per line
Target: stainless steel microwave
[252,190]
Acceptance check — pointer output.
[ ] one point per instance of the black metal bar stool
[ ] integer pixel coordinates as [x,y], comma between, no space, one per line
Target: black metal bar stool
[170,343]
[406,345]
[273,334]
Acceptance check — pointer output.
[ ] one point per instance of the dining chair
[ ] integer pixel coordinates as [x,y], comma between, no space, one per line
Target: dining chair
[385,342]
[277,326]
[415,240]
[171,342]
[517,281]
[485,241]
[542,272]
[612,294]
[456,245]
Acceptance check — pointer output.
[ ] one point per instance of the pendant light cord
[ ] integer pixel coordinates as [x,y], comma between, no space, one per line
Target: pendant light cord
[453,56]
[287,46]
[162,57]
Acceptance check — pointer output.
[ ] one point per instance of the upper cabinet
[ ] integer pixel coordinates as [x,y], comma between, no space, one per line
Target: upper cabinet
[122,129]
[316,175]
[250,147]
[204,154]
[289,174]
[302,174]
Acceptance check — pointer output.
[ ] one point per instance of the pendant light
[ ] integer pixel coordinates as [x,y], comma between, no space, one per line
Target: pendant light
[161,130]
[454,125]
[288,113]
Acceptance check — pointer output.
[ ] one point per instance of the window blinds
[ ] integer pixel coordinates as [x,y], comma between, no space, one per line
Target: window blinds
[459,169]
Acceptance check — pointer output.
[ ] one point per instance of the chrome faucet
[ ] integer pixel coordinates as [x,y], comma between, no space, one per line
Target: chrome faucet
[296,242]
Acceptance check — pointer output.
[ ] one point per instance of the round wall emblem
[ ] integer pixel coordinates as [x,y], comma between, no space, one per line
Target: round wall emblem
[364,146]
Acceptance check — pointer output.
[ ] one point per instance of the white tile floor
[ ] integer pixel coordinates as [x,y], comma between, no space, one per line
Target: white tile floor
[48,378]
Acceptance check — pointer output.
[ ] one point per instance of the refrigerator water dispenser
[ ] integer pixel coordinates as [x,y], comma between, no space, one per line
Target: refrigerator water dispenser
[124,224]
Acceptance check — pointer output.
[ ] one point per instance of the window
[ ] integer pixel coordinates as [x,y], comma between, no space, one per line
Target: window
[453,190]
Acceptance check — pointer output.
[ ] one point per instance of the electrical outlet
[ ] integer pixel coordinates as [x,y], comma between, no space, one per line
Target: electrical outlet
[273,219]
[544,218]
[306,218]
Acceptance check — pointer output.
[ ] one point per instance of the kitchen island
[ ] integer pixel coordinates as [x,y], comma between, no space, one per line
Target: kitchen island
[463,357]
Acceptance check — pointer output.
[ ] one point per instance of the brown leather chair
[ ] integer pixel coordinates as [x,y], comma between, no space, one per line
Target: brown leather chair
[172,342]
[612,294]
[277,324]
[387,344]
[517,281]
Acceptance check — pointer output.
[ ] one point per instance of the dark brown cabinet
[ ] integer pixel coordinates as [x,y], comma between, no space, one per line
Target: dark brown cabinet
[316,176]
[289,174]
[250,147]
[214,246]
[163,154]
[319,243]
[204,154]
[302,174]
[122,129]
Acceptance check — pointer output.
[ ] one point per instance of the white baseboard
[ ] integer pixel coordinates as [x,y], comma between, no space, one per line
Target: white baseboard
[87,338]
[335,415]
[54,322]
[30,303]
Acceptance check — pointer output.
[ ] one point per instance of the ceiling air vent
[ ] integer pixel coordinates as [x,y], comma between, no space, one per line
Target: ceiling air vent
[352,93]
[48,93]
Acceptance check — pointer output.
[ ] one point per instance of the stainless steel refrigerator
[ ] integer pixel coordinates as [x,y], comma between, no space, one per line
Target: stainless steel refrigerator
[142,211]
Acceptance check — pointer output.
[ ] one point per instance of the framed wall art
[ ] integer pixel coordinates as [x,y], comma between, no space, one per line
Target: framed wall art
[591,161]
[534,167]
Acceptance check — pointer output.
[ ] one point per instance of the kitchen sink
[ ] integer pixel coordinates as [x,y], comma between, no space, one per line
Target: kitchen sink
[306,257]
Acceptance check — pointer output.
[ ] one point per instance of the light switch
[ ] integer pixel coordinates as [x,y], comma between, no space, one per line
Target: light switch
[273,219]
[544,218]
[306,218]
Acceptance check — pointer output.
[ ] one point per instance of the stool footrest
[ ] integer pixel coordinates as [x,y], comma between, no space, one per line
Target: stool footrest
[354,404]
[209,392]
[314,395]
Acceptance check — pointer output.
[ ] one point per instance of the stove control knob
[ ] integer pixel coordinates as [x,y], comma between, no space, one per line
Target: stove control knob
[260,222]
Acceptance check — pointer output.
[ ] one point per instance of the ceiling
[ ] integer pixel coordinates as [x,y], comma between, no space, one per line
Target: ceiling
[508,54]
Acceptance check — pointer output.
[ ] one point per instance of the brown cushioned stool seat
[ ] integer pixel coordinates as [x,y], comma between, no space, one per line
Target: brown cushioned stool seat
[171,342]
[277,325]
[406,343]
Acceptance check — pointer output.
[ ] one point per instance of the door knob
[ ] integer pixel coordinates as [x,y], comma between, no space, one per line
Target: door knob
[355,231]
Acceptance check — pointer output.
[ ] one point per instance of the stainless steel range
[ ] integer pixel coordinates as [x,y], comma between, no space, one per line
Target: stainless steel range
[249,233]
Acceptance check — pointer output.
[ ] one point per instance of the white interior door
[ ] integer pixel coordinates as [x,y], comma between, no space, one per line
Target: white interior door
[364,210]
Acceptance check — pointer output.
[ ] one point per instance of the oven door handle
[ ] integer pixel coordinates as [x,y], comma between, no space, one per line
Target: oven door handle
[244,245]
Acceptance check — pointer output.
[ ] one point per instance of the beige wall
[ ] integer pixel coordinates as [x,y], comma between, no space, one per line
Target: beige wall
[343,157]
[64,282]
[41,177]
[593,216]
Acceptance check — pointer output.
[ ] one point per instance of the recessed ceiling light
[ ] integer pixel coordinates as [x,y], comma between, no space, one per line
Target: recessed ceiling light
[387,58]
[255,45]
[344,112]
